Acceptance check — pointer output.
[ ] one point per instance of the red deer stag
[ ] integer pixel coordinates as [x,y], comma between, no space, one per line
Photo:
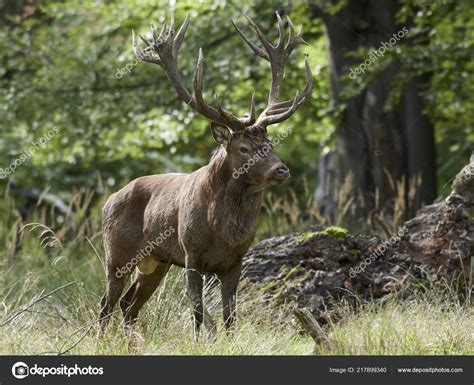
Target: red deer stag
[209,215]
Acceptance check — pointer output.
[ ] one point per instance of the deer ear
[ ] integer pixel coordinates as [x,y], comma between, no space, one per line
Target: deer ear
[221,134]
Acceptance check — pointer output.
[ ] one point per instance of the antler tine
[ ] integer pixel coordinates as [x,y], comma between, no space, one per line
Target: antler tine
[145,40]
[163,31]
[257,50]
[199,103]
[153,32]
[198,82]
[165,53]
[291,34]
[277,118]
[306,91]
[219,116]
[293,39]
[281,32]
[252,117]
[283,110]
[255,28]
[171,30]
[141,54]
[229,118]
[180,35]
[277,56]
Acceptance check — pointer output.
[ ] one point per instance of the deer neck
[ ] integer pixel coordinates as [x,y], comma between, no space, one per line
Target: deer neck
[233,205]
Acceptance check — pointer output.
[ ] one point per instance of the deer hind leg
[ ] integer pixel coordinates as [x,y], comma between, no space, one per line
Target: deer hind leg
[140,291]
[115,286]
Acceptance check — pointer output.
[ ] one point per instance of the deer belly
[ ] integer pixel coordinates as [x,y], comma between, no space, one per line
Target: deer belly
[147,265]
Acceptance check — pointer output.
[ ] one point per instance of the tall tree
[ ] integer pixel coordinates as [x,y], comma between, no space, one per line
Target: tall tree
[377,145]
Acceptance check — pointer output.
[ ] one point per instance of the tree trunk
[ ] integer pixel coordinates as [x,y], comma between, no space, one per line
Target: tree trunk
[421,151]
[377,147]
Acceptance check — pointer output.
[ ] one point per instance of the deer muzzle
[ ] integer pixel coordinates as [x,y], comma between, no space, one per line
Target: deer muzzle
[279,173]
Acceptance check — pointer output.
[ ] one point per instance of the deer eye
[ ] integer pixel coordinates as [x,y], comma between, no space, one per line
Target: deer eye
[243,149]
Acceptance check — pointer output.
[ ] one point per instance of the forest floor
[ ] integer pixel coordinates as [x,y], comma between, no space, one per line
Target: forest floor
[431,321]
[65,322]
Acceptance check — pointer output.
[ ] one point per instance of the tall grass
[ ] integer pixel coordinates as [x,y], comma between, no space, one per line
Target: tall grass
[66,321]
[296,212]
[55,325]
[431,323]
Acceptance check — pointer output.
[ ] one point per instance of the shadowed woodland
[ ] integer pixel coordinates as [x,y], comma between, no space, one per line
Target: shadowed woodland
[366,249]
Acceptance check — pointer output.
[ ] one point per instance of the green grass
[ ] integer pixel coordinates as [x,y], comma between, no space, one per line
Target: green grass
[425,326]
[65,322]
[55,324]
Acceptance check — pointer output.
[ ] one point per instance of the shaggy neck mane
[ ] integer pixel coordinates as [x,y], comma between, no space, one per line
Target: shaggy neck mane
[233,206]
[218,166]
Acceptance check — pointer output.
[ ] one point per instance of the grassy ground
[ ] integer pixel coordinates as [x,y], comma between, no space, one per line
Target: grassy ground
[65,322]
[428,325]
[55,324]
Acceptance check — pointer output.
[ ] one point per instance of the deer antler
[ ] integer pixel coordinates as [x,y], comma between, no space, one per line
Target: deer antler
[164,52]
[164,48]
[278,55]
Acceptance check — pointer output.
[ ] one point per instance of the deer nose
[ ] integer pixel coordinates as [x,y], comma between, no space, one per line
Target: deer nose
[281,174]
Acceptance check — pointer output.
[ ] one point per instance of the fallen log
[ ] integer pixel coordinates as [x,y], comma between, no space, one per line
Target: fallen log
[319,268]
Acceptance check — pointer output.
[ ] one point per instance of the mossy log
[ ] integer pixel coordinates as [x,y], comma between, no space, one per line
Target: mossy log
[319,268]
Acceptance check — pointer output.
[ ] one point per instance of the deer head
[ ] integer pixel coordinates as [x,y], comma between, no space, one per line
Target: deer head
[242,139]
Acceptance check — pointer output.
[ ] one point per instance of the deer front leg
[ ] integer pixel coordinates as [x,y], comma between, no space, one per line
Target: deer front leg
[229,283]
[194,290]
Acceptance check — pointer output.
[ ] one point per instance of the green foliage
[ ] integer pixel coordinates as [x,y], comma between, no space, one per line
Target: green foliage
[61,68]
[437,49]
[434,322]
[60,64]
[443,36]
